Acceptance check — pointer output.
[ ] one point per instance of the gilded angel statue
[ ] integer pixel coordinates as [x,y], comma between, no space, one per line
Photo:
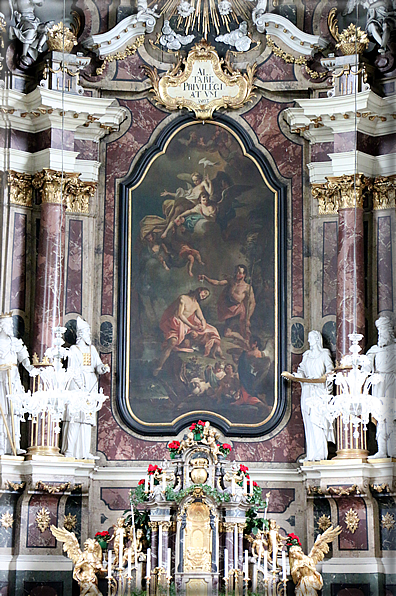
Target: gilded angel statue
[87,563]
[303,567]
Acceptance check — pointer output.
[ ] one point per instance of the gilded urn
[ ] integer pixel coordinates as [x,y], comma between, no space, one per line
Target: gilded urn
[199,473]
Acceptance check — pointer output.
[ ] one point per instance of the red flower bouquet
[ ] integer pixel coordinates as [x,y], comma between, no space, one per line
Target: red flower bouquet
[197,428]
[141,482]
[103,538]
[225,448]
[293,540]
[173,447]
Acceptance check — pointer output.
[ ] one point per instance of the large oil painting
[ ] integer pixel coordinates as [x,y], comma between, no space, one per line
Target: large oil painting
[202,286]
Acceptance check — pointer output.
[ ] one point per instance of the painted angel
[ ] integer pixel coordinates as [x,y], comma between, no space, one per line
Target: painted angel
[380,19]
[303,567]
[87,563]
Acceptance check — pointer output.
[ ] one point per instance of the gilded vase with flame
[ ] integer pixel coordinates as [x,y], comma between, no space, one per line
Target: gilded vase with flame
[199,473]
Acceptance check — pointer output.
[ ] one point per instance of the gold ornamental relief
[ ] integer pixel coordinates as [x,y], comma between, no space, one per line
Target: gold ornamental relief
[198,539]
[202,83]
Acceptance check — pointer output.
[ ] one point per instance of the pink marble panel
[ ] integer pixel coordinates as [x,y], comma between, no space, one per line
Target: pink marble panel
[329,267]
[18,270]
[86,149]
[263,119]
[74,267]
[35,537]
[320,151]
[115,498]
[19,139]
[280,499]
[275,69]
[384,264]
[359,539]
[62,139]
[350,278]
[49,275]
[145,118]
[130,69]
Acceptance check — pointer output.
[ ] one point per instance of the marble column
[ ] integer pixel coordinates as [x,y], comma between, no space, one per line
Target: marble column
[384,217]
[154,544]
[58,191]
[229,543]
[350,262]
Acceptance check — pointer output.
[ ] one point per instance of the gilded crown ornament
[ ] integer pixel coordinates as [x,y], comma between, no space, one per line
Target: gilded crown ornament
[61,38]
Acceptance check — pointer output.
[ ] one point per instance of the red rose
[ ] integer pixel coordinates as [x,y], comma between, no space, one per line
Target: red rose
[226,446]
[255,483]
[141,482]
[243,468]
[201,423]
[151,469]
[174,445]
[192,427]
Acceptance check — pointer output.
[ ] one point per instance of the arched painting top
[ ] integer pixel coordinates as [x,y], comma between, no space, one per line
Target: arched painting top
[202,277]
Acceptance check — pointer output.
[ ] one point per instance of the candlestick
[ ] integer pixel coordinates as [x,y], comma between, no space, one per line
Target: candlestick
[163,482]
[233,485]
[148,563]
[265,563]
[259,554]
[129,562]
[244,485]
[226,563]
[168,563]
[160,545]
[146,484]
[236,546]
[246,565]
[120,549]
[109,565]
[134,536]
[251,487]
[283,566]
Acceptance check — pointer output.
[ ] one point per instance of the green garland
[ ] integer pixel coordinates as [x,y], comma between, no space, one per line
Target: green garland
[218,496]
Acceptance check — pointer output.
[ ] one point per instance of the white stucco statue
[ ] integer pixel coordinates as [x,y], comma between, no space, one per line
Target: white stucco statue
[258,15]
[84,358]
[12,352]
[28,29]
[383,359]
[316,362]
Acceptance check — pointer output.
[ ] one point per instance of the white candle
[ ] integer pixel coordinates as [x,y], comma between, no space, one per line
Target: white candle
[120,549]
[226,563]
[233,485]
[134,536]
[146,484]
[259,554]
[236,546]
[265,563]
[251,487]
[148,563]
[163,482]
[109,565]
[129,562]
[160,546]
[246,565]
[284,565]
[168,563]
[274,561]
[244,485]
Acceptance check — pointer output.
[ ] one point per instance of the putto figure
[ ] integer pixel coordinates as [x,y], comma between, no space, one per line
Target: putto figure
[303,567]
[28,29]
[12,352]
[383,361]
[84,358]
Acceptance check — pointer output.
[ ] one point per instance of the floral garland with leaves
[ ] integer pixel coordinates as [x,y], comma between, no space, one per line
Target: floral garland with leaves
[217,495]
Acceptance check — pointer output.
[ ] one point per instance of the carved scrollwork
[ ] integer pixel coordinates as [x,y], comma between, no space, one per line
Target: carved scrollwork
[384,192]
[21,189]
